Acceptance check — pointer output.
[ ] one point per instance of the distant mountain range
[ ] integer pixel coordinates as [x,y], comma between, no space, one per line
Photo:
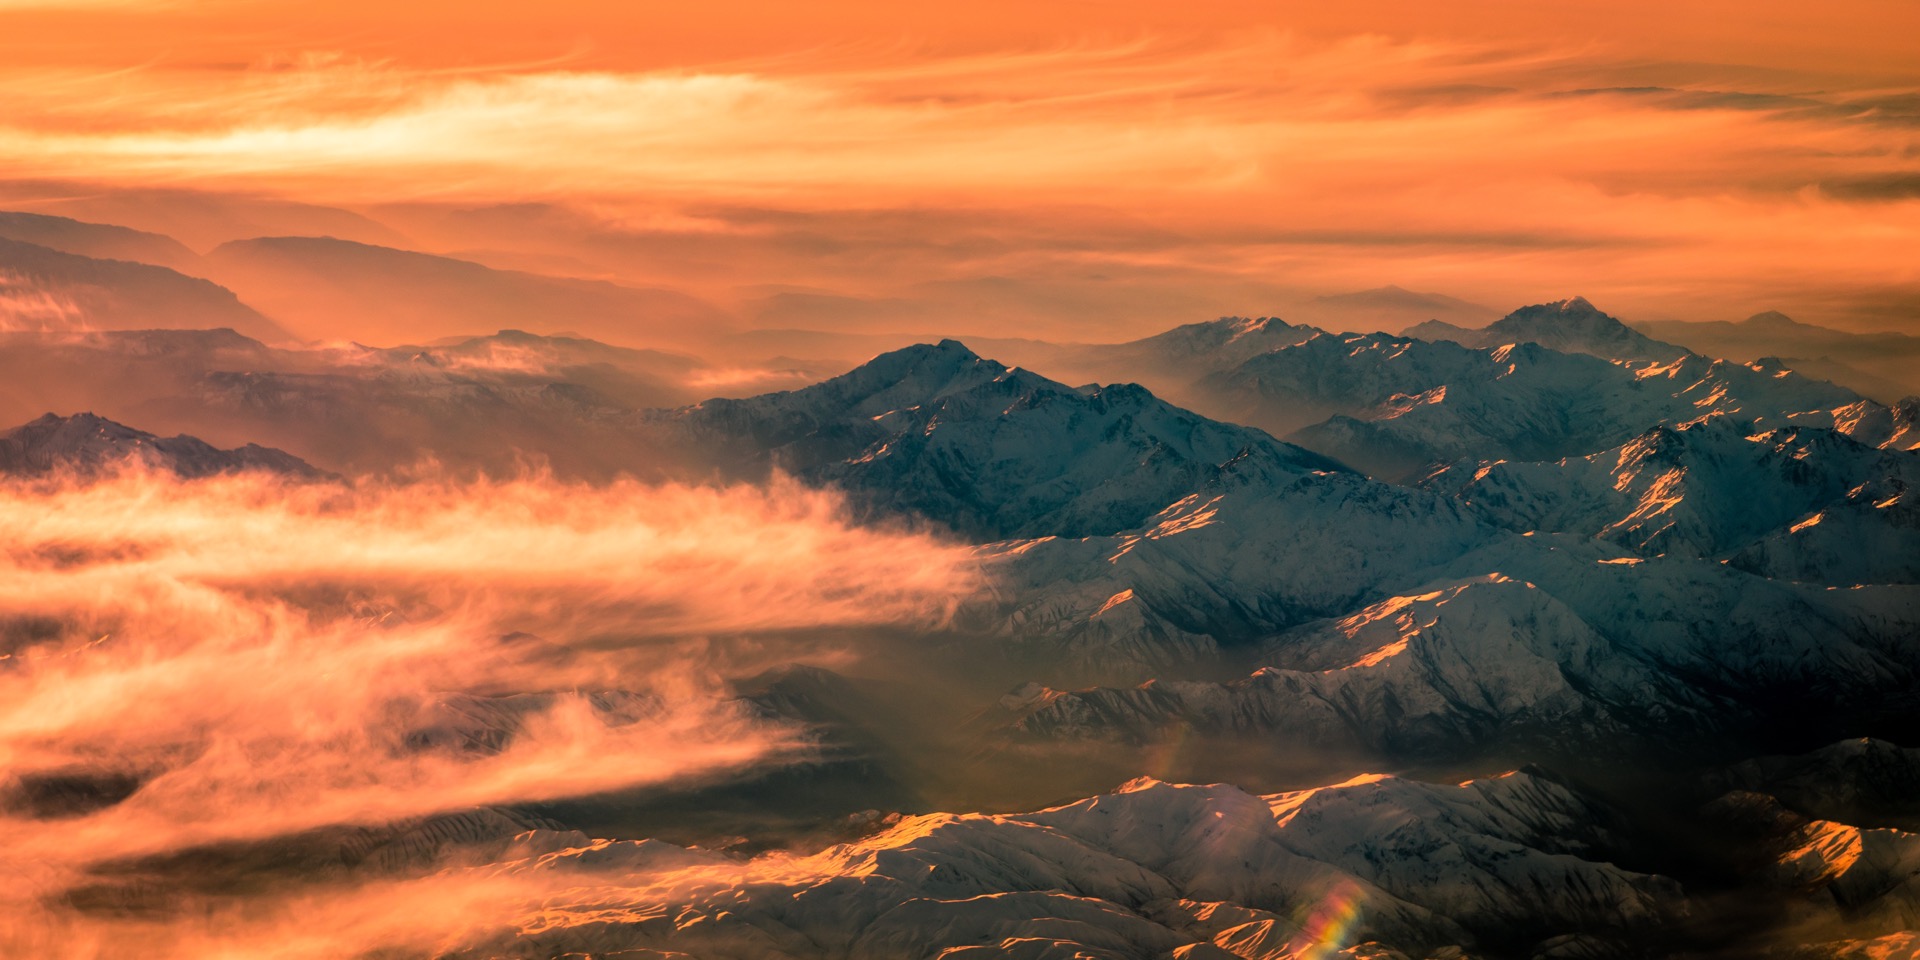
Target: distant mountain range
[1391,308]
[98,240]
[1393,405]
[86,444]
[47,290]
[71,275]
[1884,366]
[1131,534]
[330,288]
[1569,326]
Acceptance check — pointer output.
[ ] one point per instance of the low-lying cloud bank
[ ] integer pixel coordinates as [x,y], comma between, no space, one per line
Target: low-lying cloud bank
[186,665]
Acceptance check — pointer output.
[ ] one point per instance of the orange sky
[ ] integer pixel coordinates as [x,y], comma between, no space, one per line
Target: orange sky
[1099,168]
[1849,36]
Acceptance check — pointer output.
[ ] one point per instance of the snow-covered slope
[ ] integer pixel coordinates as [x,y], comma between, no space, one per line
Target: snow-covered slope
[1871,537]
[84,443]
[1761,650]
[1143,535]
[1895,427]
[1548,380]
[1577,647]
[1711,488]
[991,451]
[1150,871]
[1241,559]
[1489,660]
[1393,405]
[1849,888]
[1129,531]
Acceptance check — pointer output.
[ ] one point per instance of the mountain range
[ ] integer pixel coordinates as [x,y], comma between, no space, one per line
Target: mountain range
[1631,631]
[43,289]
[1569,326]
[98,241]
[1880,365]
[332,288]
[85,444]
[1712,489]
[1390,307]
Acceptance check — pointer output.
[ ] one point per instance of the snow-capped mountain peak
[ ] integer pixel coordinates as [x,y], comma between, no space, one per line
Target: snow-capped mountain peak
[1576,326]
[990,450]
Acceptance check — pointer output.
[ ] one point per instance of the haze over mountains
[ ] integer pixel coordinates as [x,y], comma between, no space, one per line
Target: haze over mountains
[1545,638]
[1880,365]
[86,443]
[338,288]
[99,241]
[328,273]
[51,291]
[1391,307]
